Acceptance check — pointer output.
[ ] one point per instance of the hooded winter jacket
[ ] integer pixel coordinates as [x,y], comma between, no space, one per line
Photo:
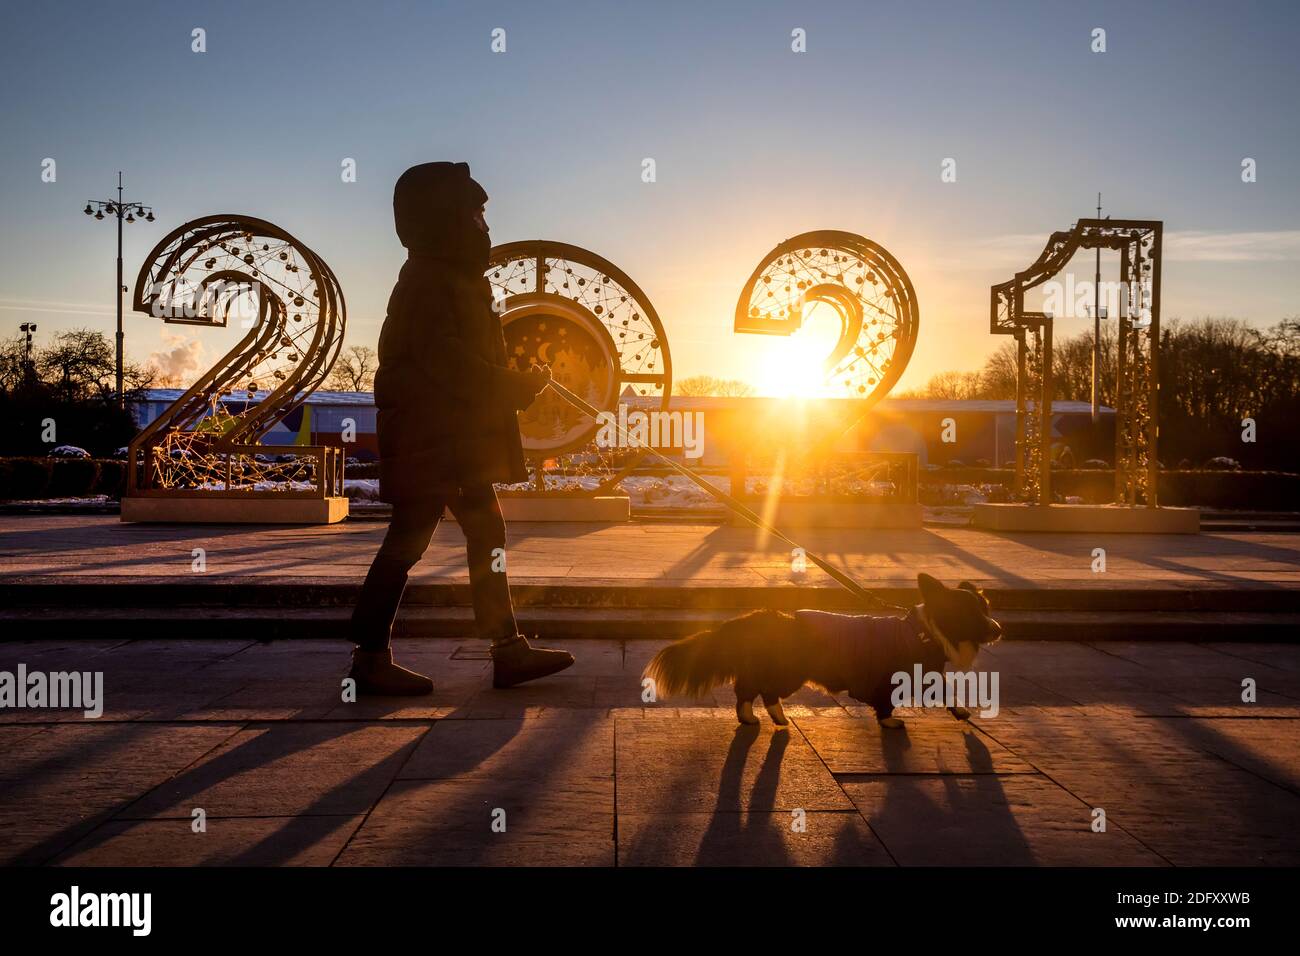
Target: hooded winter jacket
[447,400]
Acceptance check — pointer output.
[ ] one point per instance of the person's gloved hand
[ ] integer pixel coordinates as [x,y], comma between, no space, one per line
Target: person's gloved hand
[540,375]
[531,383]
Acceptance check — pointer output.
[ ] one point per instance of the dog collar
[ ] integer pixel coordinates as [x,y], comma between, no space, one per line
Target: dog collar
[931,627]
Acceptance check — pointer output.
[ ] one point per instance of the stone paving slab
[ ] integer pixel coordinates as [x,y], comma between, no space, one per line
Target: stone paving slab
[990,820]
[1162,782]
[578,745]
[62,783]
[587,773]
[712,764]
[229,841]
[932,743]
[450,823]
[756,838]
[287,769]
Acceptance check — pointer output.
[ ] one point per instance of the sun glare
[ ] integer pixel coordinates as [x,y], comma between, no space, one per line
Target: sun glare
[795,366]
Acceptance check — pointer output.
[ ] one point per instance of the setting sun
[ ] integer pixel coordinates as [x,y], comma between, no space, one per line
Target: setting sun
[794,366]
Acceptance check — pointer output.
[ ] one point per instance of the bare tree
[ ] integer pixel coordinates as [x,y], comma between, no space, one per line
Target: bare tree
[950,385]
[13,364]
[697,385]
[999,372]
[81,364]
[354,371]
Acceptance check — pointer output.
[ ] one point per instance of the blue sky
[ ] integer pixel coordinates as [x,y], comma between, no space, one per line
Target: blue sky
[753,143]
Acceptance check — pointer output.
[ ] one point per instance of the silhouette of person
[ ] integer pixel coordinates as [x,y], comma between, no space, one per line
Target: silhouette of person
[447,429]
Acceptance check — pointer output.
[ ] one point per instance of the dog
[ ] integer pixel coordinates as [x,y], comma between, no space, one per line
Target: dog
[771,654]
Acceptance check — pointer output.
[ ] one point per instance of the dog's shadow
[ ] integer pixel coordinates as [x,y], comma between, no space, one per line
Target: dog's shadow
[752,831]
[922,816]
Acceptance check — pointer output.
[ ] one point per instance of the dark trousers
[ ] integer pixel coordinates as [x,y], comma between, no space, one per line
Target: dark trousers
[479,515]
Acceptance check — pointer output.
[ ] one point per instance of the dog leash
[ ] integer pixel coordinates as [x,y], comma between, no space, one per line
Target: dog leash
[730,502]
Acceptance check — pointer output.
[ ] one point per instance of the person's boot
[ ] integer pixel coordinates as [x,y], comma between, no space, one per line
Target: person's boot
[376,675]
[515,661]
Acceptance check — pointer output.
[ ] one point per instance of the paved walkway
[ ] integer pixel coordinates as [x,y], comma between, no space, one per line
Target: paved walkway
[583,772]
[670,555]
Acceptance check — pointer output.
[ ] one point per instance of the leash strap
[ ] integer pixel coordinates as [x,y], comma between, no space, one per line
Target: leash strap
[736,506]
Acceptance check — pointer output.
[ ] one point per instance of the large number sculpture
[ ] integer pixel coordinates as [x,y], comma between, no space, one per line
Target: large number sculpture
[201,460]
[1136,419]
[601,335]
[569,308]
[862,282]
[560,305]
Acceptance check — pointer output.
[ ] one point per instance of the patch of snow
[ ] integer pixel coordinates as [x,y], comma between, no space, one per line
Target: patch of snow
[68,451]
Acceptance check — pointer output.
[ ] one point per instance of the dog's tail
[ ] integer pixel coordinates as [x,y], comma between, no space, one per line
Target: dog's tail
[694,664]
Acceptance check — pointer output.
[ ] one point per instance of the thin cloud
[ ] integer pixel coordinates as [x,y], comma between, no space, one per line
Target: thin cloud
[57,308]
[1015,251]
[1280,246]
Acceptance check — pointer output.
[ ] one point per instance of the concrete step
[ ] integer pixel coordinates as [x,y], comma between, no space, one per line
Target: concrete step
[197,591]
[271,623]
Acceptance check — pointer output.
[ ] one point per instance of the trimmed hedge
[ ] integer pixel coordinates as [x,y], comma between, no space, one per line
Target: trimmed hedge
[112,478]
[73,477]
[1204,488]
[24,478]
[27,479]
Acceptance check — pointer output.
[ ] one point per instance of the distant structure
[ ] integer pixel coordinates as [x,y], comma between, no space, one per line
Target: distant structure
[985,433]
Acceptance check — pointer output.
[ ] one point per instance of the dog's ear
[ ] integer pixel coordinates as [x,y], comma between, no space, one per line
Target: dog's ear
[978,592]
[932,589]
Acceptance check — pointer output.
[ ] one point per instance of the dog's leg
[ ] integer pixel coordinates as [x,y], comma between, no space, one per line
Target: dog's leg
[745,711]
[884,708]
[776,711]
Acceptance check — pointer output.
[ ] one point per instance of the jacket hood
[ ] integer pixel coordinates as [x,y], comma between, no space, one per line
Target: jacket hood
[433,209]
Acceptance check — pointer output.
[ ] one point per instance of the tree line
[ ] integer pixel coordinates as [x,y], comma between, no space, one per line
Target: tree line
[1215,373]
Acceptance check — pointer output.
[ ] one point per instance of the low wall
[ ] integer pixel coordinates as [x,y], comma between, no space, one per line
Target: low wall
[28,479]
[1237,490]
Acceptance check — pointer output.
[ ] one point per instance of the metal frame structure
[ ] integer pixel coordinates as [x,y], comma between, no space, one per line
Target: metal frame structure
[863,283]
[538,277]
[201,274]
[1138,242]
[865,286]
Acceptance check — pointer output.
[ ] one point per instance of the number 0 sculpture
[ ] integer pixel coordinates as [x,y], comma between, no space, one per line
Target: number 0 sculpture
[564,306]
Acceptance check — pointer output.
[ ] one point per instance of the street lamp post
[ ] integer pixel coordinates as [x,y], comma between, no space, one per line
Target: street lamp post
[128,212]
[29,372]
[1096,332]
